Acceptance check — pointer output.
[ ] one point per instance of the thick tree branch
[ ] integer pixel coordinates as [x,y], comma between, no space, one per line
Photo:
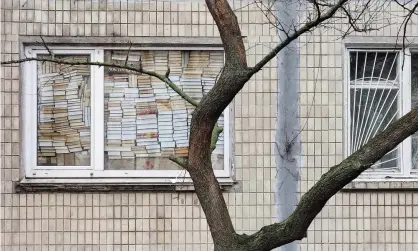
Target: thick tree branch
[296,225]
[230,32]
[305,28]
[231,80]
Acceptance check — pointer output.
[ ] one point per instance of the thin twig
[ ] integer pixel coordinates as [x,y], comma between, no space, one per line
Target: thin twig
[217,130]
[407,19]
[119,66]
[127,54]
[179,161]
[307,27]
[167,73]
[47,48]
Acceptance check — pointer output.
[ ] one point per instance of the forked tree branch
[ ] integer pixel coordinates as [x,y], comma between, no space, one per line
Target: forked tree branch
[404,6]
[234,76]
[231,81]
[305,28]
[311,203]
[205,116]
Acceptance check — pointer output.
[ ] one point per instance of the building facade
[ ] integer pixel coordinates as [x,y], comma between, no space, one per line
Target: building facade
[84,149]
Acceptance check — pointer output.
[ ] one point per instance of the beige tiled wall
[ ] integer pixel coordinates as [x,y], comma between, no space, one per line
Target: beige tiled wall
[174,221]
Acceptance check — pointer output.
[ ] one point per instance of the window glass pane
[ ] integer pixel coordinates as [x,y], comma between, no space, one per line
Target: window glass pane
[63,113]
[414,94]
[372,110]
[145,120]
[374,100]
[373,65]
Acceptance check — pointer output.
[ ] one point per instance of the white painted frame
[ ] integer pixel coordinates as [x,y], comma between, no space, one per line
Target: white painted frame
[96,169]
[404,102]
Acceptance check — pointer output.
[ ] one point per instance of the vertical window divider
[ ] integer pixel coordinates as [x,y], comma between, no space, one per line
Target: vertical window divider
[97,105]
[30,113]
[406,159]
[347,90]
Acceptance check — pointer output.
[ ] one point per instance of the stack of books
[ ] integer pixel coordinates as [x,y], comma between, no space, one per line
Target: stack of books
[176,101]
[147,59]
[160,90]
[192,87]
[191,77]
[165,131]
[114,94]
[161,62]
[181,131]
[64,112]
[145,91]
[147,132]
[175,62]
[133,80]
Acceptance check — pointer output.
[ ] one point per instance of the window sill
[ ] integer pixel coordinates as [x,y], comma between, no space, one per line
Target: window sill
[110,185]
[398,184]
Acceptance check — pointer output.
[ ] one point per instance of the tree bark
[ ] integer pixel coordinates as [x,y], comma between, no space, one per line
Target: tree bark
[296,225]
[230,82]
[232,79]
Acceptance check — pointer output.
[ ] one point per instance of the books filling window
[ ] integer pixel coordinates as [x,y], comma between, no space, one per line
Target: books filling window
[382,87]
[145,120]
[86,121]
[63,113]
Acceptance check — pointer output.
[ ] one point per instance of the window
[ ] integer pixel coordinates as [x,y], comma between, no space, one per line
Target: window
[382,85]
[104,122]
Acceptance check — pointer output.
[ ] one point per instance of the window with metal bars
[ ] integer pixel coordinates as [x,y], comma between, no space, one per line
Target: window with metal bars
[381,86]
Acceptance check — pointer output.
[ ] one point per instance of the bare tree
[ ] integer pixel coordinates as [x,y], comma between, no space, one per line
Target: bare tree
[235,74]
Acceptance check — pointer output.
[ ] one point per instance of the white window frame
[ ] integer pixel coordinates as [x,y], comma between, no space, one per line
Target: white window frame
[96,169]
[404,101]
